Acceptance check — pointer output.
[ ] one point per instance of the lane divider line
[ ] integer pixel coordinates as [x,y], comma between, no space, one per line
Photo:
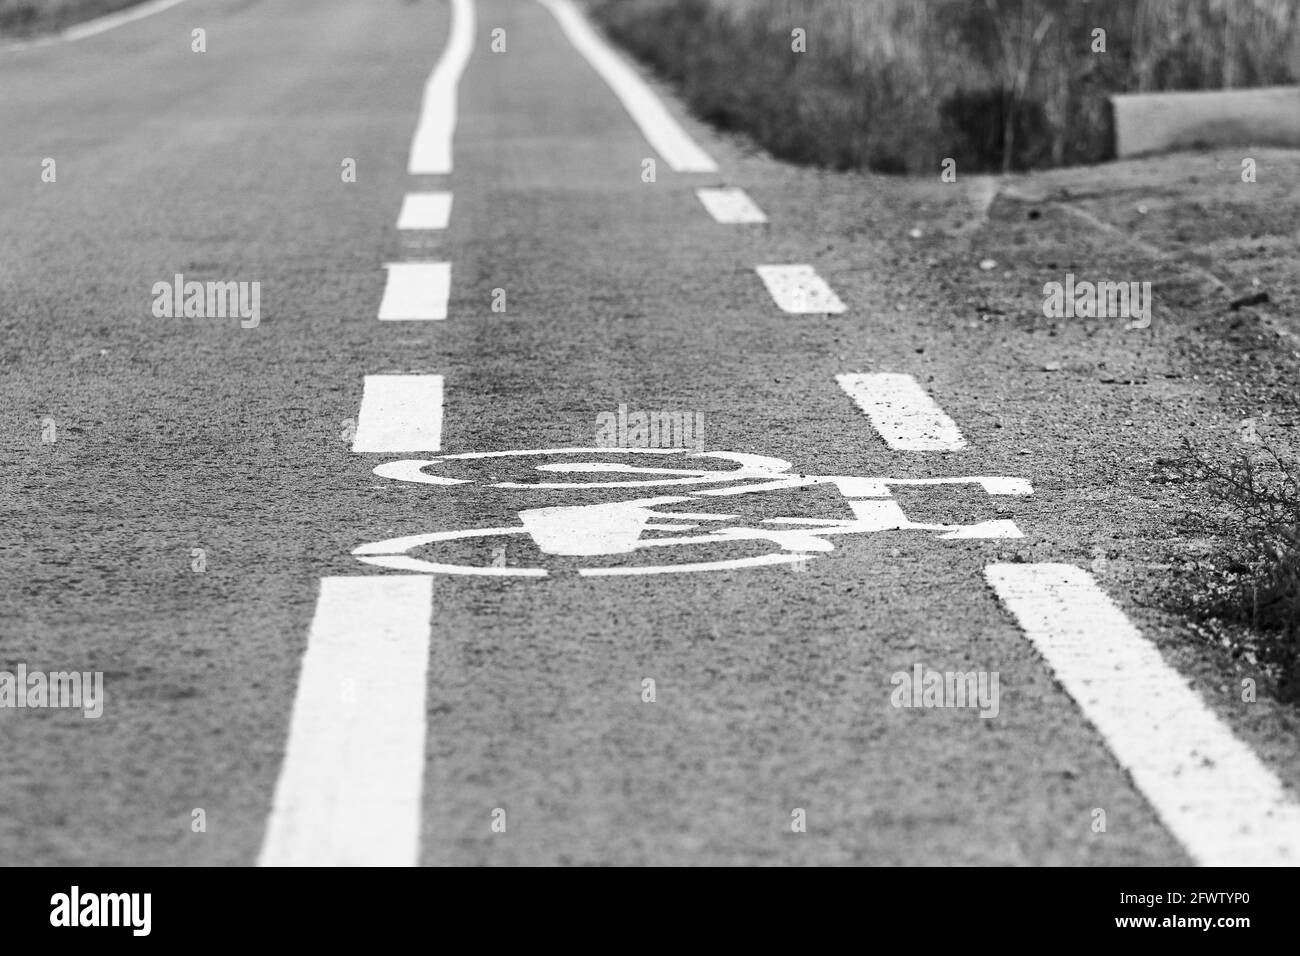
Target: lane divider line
[425,211]
[431,145]
[1215,796]
[665,135]
[399,413]
[349,790]
[416,291]
[730,206]
[798,289]
[902,412]
[103,24]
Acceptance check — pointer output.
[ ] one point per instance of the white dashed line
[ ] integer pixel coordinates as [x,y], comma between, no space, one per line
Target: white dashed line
[425,211]
[1215,796]
[901,411]
[102,24]
[349,792]
[399,413]
[431,147]
[730,206]
[799,289]
[416,291]
[657,125]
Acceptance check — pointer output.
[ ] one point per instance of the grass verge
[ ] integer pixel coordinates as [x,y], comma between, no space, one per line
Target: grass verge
[20,19]
[899,85]
[1254,581]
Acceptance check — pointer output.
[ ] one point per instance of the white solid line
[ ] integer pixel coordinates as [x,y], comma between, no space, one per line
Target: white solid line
[431,146]
[349,787]
[665,134]
[425,211]
[399,413]
[799,289]
[1215,796]
[103,24]
[901,411]
[416,290]
[730,206]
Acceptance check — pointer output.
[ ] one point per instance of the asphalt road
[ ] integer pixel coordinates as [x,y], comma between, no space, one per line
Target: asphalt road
[772,683]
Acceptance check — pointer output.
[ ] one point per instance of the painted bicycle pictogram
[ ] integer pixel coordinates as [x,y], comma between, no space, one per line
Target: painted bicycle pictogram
[637,525]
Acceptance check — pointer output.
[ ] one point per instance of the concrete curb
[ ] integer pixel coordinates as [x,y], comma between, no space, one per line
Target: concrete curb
[1163,122]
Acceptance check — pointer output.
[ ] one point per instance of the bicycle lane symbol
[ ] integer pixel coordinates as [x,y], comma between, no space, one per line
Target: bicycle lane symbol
[618,528]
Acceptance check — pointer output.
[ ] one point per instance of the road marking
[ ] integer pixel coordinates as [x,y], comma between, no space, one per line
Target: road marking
[799,289]
[93,27]
[389,554]
[603,529]
[901,411]
[730,205]
[760,561]
[1215,796]
[103,24]
[416,290]
[425,211]
[879,487]
[399,413]
[665,134]
[431,147]
[349,787]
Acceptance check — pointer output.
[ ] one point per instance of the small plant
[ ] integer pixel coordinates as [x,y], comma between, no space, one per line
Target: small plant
[1256,507]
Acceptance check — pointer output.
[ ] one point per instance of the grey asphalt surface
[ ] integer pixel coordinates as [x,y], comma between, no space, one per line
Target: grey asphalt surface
[773,685]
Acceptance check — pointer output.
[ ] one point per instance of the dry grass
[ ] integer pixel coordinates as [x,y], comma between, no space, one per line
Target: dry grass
[1253,503]
[900,84]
